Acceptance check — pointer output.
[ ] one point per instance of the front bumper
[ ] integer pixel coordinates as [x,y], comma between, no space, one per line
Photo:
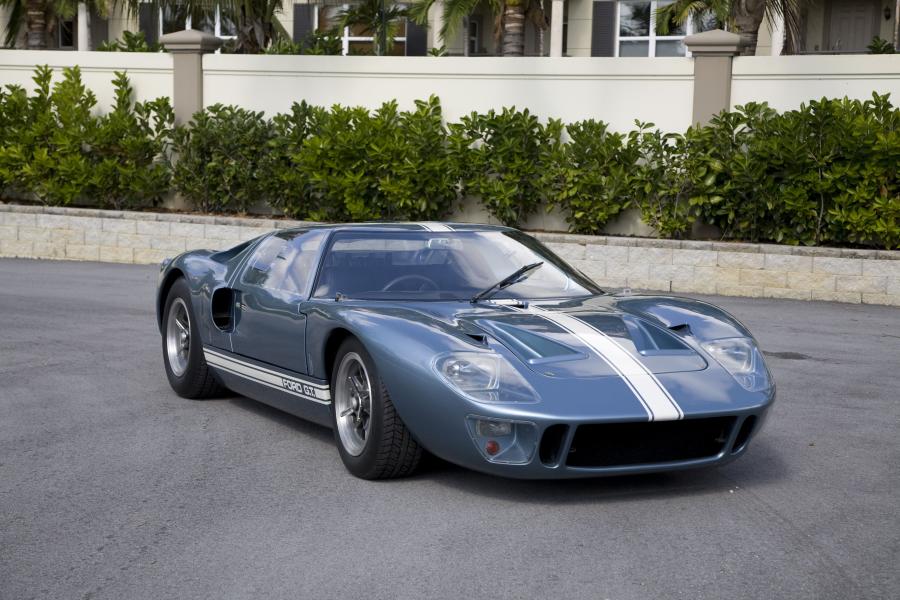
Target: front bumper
[592,448]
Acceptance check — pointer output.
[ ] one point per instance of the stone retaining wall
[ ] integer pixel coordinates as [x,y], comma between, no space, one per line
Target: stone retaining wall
[732,269]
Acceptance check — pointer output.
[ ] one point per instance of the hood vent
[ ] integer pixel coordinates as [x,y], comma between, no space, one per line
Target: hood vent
[553,351]
[531,347]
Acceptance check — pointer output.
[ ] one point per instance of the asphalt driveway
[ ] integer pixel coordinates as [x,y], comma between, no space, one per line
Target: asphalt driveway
[113,487]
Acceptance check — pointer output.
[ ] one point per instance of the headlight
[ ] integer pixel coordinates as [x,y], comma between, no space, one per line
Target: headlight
[743,360]
[483,377]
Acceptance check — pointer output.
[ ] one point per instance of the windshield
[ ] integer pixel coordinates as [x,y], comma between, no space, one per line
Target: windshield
[456,265]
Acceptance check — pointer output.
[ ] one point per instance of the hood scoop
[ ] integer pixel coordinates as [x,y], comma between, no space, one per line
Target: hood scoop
[552,350]
[532,348]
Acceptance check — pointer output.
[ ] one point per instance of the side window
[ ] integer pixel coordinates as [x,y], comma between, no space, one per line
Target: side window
[284,262]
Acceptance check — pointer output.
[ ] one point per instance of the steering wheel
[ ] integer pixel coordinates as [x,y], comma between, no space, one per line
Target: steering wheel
[426,283]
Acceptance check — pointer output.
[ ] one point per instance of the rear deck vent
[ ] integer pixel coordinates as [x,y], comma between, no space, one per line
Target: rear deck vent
[620,444]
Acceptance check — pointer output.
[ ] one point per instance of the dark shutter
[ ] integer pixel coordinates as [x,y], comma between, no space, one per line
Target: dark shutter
[99,30]
[603,29]
[148,21]
[303,21]
[416,39]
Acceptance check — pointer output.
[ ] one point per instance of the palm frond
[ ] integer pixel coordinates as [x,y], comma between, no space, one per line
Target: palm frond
[418,11]
[455,13]
[682,11]
[15,22]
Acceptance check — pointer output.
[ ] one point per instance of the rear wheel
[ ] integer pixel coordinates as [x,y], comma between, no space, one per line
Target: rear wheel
[186,369]
[372,440]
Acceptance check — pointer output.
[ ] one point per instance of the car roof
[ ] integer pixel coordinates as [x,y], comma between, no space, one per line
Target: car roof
[433,226]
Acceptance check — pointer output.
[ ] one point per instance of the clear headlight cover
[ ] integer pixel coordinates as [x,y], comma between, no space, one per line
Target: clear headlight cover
[743,360]
[483,377]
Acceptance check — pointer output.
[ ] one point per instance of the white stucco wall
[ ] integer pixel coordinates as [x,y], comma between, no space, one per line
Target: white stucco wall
[616,91]
[787,81]
[150,73]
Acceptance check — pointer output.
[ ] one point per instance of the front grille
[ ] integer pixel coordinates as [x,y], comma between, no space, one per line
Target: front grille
[620,444]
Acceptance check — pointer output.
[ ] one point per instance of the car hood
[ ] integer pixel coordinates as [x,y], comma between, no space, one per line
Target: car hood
[561,339]
[549,336]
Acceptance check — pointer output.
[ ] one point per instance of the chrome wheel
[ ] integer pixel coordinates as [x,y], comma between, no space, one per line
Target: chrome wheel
[178,337]
[353,403]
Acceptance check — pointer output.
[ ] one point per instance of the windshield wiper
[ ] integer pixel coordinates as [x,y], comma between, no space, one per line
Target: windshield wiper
[520,275]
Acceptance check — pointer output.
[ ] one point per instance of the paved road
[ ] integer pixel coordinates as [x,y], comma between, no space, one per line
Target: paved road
[113,487]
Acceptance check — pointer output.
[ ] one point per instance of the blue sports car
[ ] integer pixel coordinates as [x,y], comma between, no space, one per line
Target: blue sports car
[472,342]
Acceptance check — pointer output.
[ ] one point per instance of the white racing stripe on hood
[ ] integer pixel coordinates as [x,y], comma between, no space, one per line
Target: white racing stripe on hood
[430,226]
[657,401]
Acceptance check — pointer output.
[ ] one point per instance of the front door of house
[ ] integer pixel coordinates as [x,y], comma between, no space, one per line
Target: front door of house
[852,24]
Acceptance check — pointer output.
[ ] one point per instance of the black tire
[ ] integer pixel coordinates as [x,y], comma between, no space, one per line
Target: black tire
[197,382]
[390,450]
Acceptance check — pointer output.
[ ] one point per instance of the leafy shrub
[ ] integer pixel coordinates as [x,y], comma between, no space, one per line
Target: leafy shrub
[129,169]
[316,43]
[288,187]
[218,159]
[880,46]
[825,173]
[504,156]
[383,165]
[660,181]
[130,42]
[55,150]
[44,154]
[592,176]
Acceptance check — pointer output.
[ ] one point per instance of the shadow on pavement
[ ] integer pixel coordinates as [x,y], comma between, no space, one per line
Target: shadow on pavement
[768,468]
[301,426]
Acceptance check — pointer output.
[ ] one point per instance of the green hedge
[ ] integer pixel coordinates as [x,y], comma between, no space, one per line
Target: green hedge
[55,149]
[824,174]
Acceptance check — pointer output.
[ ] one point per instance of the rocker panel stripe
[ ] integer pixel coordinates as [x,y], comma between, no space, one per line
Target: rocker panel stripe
[302,388]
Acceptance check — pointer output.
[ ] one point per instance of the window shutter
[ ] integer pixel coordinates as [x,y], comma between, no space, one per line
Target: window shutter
[148,21]
[99,30]
[603,29]
[416,39]
[303,21]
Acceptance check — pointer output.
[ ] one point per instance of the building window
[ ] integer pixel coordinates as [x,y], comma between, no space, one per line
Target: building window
[65,35]
[357,39]
[473,39]
[637,34]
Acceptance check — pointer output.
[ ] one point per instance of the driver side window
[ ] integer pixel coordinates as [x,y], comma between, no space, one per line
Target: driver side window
[284,262]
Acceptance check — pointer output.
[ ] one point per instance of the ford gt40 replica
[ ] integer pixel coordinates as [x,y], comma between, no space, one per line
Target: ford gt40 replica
[472,342]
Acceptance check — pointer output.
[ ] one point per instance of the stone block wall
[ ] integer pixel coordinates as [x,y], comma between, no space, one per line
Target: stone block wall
[726,268]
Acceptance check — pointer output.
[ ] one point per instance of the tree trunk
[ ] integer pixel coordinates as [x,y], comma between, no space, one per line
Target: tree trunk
[36,24]
[513,29]
[748,16]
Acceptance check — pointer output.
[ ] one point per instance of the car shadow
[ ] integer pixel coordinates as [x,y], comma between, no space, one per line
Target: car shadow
[761,466]
[301,426]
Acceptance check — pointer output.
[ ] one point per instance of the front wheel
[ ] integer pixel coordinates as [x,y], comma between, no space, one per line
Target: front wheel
[186,369]
[372,440]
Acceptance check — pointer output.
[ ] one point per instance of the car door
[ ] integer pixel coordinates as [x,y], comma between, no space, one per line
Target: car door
[275,282]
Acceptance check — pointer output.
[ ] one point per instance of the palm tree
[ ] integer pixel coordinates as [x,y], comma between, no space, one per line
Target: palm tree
[509,19]
[376,17]
[742,16]
[38,18]
[255,23]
